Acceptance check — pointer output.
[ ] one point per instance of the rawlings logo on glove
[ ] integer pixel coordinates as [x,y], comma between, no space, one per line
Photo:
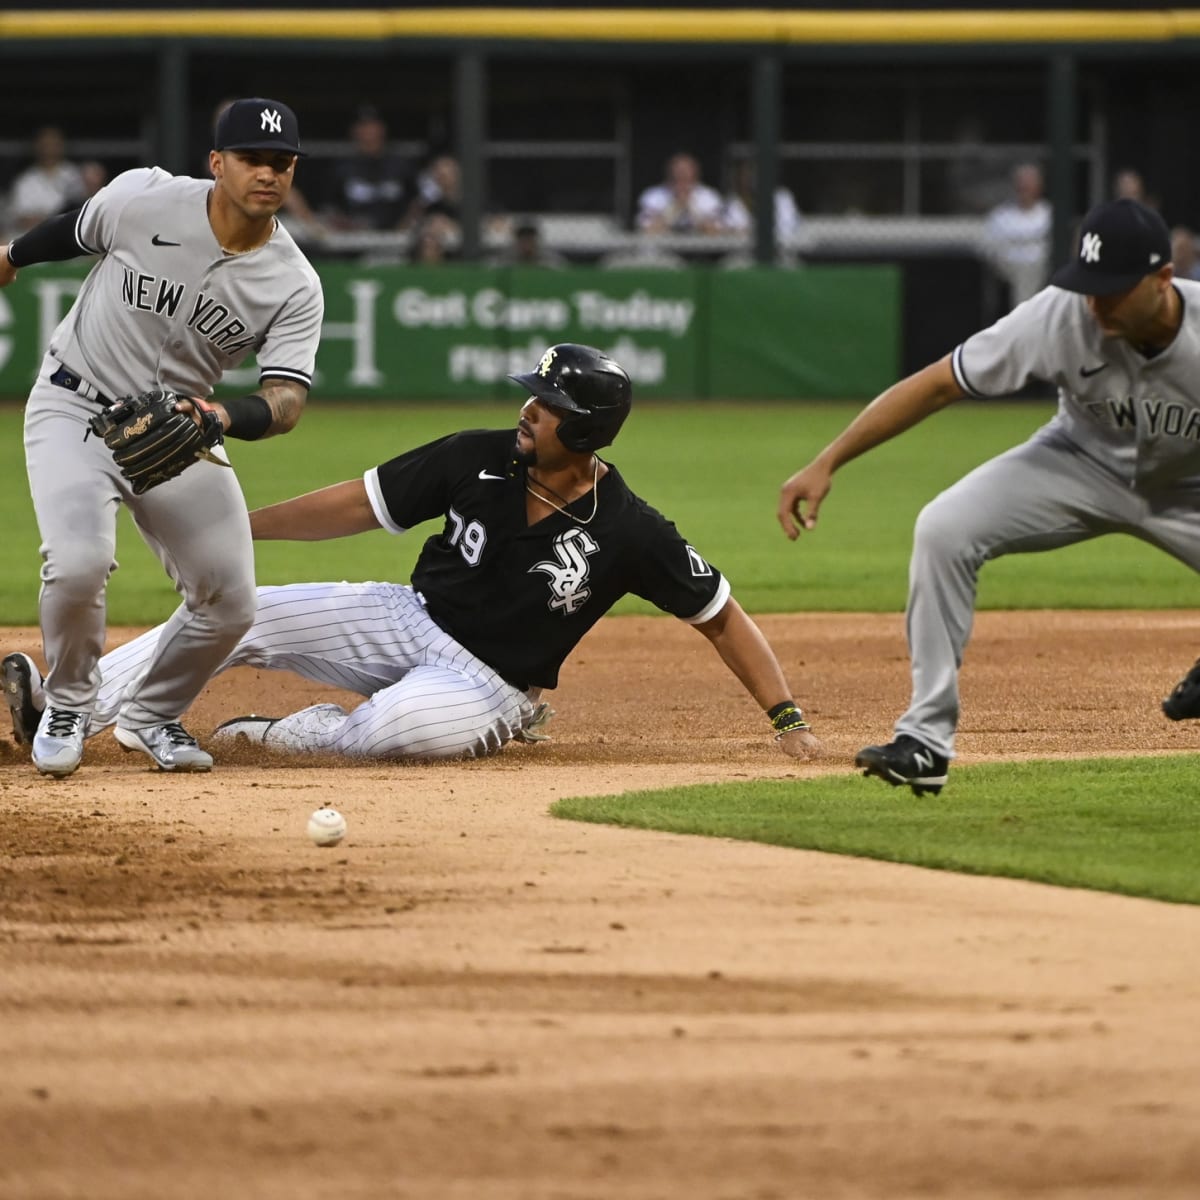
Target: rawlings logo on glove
[137,428]
[152,441]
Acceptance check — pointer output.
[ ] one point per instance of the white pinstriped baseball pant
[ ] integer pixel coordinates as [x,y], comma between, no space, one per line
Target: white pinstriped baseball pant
[427,696]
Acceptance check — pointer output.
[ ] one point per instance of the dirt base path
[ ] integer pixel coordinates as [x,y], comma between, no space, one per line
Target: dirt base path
[470,999]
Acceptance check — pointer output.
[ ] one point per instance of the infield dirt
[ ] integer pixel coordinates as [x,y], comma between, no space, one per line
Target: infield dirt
[469,998]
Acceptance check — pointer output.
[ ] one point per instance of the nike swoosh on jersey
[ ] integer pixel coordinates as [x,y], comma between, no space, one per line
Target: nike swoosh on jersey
[157,241]
[1088,372]
[498,478]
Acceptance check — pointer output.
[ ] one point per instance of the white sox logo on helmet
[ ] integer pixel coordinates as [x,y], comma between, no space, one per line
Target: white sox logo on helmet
[272,122]
[543,367]
[569,574]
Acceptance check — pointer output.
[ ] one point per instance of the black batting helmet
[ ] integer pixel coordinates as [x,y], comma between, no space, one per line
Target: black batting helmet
[592,389]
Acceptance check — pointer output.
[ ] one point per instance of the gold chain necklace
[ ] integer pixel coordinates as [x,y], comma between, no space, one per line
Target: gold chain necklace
[559,508]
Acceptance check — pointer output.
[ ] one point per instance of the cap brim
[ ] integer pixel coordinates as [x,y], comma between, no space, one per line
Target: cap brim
[537,386]
[1075,277]
[266,146]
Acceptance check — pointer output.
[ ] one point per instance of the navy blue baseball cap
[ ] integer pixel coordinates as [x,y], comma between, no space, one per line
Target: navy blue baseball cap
[258,124]
[1120,243]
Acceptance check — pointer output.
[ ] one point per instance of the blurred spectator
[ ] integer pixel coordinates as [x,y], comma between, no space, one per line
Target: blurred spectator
[51,185]
[738,216]
[438,194]
[681,203]
[977,180]
[1184,253]
[1017,234]
[1128,184]
[371,188]
[526,249]
[433,240]
[94,175]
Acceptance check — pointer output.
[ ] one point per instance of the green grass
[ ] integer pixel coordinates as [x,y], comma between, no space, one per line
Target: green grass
[714,468]
[1129,825]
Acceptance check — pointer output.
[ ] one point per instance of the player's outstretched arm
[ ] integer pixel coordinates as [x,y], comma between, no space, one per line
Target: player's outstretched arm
[335,511]
[902,406]
[746,652]
[53,240]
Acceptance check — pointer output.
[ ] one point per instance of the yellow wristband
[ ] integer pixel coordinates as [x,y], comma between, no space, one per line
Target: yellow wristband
[786,716]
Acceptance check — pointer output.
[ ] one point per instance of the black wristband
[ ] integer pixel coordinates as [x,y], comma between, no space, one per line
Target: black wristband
[785,717]
[249,417]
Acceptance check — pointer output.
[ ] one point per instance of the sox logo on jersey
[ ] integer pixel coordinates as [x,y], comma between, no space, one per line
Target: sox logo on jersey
[569,574]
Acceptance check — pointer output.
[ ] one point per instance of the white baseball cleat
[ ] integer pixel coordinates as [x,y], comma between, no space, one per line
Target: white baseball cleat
[309,731]
[58,742]
[244,731]
[170,745]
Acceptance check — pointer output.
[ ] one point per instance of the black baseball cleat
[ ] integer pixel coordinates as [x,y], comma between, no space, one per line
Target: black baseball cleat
[1184,702]
[905,761]
[22,683]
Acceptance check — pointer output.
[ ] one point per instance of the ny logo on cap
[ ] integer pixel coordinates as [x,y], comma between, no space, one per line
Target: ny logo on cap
[1089,250]
[271,120]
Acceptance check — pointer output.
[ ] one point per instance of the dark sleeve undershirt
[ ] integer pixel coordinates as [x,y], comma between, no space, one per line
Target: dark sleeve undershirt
[52,241]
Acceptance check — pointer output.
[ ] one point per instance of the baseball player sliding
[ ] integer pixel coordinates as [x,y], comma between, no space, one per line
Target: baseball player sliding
[192,276]
[1120,337]
[540,538]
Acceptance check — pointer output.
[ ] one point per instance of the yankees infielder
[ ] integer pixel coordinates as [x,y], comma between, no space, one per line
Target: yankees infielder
[1120,337]
[541,538]
[192,276]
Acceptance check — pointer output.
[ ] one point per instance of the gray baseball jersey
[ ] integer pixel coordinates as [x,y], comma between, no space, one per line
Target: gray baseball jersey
[1122,454]
[166,306]
[1138,417]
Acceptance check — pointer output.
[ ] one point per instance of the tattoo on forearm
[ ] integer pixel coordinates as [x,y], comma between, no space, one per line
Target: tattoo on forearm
[286,400]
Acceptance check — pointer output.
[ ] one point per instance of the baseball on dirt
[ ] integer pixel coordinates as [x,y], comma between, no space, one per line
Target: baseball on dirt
[327,827]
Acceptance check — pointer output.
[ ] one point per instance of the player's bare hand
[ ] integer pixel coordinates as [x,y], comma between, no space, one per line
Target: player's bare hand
[800,499]
[800,743]
[7,271]
[197,408]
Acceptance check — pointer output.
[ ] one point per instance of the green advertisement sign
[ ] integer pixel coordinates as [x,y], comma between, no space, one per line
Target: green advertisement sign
[822,333]
[460,331]
[453,331]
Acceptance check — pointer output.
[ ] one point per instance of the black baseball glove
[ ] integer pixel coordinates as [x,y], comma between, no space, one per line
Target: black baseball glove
[152,441]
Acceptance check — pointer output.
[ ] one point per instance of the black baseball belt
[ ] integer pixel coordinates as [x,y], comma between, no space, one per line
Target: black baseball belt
[64,377]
